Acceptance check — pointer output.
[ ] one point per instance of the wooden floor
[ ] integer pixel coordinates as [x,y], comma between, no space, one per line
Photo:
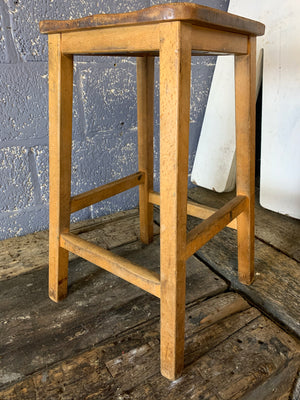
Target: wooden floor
[102,342]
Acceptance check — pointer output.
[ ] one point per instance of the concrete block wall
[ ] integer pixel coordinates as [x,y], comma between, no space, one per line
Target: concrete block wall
[104,117]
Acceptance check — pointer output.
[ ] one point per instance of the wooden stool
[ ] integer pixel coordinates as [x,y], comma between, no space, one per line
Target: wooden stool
[174,32]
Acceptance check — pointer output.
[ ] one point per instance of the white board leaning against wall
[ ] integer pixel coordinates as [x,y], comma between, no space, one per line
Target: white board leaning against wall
[214,166]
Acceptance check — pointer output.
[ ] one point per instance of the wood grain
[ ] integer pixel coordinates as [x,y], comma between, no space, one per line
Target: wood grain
[207,229]
[245,100]
[119,266]
[277,230]
[25,253]
[145,111]
[216,41]
[276,286]
[102,342]
[128,40]
[60,148]
[128,364]
[36,332]
[194,209]
[93,196]
[175,70]
[192,13]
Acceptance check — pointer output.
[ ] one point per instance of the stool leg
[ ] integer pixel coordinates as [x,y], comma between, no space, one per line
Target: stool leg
[175,66]
[245,88]
[145,104]
[60,145]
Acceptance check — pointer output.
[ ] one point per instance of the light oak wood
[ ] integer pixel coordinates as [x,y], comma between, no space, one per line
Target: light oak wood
[194,209]
[174,32]
[213,40]
[145,110]
[144,39]
[119,266]
[191,13]
[175,69]
[245,97]
[125,40]
[207,229]
[93,196]
[60,143]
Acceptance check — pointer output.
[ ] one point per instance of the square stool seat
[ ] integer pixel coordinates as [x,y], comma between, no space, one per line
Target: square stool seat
[175,32]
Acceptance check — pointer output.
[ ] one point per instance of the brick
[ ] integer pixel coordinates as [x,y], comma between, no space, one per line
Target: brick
[103,158]
[31,45]
[219,4]
[16,187]
[123,201]
[99,159]
[3,41]
[21,222]
[41,154]
[23,101]
[109,95]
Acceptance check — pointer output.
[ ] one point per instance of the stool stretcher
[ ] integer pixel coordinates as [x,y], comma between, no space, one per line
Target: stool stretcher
[207,229]
[119,266]
[93,196]
[194,209]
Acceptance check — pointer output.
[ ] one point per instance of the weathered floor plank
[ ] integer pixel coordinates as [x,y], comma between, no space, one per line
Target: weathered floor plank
[102,342]
[232,369]
[276,288]
[239,352]
[280,231]
[35,331]
[26,253]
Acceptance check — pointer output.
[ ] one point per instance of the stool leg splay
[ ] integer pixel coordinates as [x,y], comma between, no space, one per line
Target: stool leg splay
[60,147]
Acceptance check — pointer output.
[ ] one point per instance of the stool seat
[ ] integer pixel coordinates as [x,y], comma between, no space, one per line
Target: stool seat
[185,12]
[174,32]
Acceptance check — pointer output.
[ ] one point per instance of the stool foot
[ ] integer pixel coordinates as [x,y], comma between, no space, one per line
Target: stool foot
[245,226]
[58,274]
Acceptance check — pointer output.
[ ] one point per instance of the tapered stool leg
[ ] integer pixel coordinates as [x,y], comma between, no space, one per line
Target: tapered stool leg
[145,104]
[175,65]
[245,88]
[60,144]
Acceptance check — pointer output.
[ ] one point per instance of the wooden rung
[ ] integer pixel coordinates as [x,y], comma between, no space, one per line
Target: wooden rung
[193,209]
[104,192]
[207,229]
[139,276]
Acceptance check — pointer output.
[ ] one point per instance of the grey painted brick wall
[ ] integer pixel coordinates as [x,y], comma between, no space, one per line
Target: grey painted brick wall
[104,118]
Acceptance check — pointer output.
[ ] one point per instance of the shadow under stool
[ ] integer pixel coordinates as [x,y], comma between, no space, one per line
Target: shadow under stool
[175,32]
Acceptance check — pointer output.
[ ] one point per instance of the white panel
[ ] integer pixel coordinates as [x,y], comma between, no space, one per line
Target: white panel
[280,169]
[280,153]
[216,148]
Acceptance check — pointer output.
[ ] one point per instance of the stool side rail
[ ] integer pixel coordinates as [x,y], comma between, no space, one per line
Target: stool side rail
[215,41]
[126,40]
[119,266]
